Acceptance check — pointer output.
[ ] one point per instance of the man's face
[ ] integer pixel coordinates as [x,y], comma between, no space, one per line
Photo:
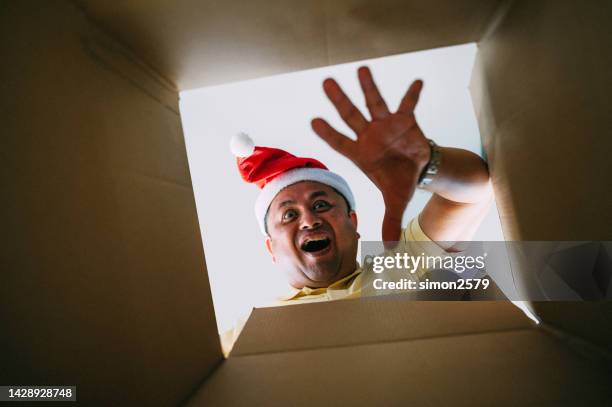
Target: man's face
[312,235]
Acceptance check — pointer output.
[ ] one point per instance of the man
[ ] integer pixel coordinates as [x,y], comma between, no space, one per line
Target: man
[307,212]
[393,152]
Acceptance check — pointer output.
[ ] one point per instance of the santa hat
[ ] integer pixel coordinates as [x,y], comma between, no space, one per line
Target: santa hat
[272,170]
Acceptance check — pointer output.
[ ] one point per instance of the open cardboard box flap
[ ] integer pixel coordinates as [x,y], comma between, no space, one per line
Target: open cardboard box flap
[394,352]
[378,320]
[106,284]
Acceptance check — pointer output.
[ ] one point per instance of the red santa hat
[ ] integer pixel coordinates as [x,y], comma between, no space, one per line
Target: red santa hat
[272,170]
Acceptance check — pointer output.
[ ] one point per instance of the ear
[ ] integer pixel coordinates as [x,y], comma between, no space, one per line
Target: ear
[269,248]
[353,217]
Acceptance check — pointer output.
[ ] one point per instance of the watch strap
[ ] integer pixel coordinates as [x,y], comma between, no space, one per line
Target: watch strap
[433,165]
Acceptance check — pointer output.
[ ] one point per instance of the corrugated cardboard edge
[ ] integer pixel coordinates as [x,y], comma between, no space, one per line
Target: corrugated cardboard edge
[372,320]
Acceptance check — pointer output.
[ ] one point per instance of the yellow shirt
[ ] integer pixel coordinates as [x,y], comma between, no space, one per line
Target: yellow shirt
[349,286]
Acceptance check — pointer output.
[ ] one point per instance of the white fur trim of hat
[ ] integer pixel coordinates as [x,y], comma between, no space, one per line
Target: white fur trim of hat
[269,192]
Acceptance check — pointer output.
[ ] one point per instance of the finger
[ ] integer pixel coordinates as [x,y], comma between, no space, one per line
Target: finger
[376,104]
[411,98]
[334,138]
[349,113]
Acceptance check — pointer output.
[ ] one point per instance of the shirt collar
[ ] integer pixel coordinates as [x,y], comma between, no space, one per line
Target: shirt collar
[294,293]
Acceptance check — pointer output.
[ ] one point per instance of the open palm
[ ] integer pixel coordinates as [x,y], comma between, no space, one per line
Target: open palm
[390,149]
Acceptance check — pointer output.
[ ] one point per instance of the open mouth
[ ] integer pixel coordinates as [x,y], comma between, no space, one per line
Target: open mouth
[315,245]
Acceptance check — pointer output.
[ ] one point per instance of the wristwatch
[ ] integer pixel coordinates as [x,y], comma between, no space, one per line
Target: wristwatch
[431,169]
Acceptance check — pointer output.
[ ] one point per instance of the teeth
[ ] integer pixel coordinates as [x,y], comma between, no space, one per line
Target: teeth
[315,239]
[315,244]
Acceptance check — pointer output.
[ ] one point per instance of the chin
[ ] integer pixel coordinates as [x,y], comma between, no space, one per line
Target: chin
[322,274]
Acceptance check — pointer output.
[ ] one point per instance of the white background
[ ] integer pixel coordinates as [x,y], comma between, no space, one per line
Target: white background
[276,112]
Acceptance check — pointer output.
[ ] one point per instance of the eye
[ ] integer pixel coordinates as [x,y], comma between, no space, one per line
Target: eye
[321,206]
[289,215]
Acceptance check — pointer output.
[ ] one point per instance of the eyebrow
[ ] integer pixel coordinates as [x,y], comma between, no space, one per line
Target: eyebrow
[285,203]
[318,194]
[314,195]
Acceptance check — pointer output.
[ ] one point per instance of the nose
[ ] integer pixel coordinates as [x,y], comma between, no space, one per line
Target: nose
[309,220]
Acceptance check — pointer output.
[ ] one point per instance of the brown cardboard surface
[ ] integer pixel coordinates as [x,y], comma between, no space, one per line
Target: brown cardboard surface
[544,112]
[353,322]
[541,92]
[103,277]
[513,368]
[360,29]
[590,320]
[199,43]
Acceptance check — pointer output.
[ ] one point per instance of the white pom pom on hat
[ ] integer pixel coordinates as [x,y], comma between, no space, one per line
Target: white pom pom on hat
[242,145]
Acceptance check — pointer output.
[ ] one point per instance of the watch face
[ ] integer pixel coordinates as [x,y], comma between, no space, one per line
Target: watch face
[426,181]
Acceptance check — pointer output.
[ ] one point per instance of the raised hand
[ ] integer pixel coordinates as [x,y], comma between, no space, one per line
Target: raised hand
[390,149]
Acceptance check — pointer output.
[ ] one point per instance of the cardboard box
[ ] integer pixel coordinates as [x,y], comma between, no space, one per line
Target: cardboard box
[104,281]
